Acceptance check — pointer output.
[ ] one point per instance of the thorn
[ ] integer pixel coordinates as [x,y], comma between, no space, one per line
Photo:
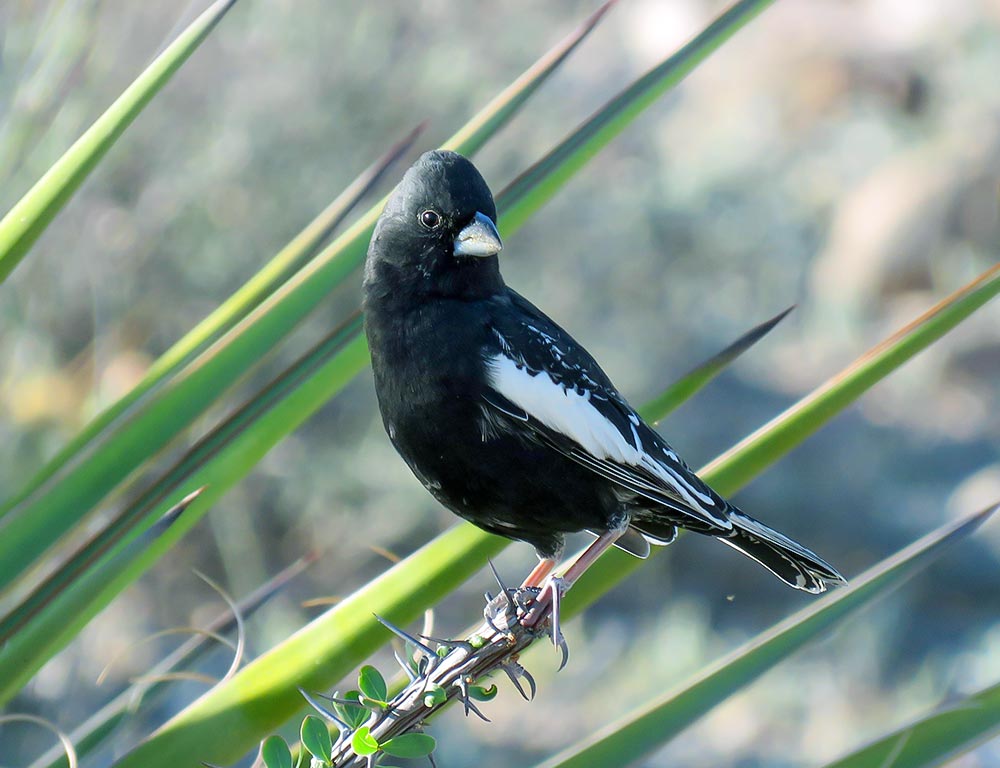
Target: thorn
[477,711]
[496,575]
[555,592]
[341,725]
[503,588]
[517,683]
[465,645]
[405,635]
[531,682]
[463,686]
[405,666]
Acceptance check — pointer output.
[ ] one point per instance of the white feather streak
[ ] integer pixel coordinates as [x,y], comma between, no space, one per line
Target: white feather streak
[572,414]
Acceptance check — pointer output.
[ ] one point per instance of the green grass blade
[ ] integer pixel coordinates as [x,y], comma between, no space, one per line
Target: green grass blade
[263,695]
[690,383]
[646,729]
[751,455]
[57,508]
[289,260]
[26,221]
[491,118]
[149,504]
[24,654]
[105,722]
[935,739]
[536,186]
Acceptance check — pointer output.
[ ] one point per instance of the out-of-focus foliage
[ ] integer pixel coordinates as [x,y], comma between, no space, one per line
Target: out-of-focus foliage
[841,156]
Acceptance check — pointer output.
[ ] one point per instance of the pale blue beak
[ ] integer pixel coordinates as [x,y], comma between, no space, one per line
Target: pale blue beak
[478,238]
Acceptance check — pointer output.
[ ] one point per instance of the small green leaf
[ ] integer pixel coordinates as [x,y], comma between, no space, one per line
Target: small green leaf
[355,715]
[275,753]
[434,696]
[316,738]
[477,641]
[479,693]
[410,745]
[363,743]
[372,685]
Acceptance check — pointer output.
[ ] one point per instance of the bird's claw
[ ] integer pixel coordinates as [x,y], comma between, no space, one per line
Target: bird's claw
[560,643]
[509,607]
[548,604]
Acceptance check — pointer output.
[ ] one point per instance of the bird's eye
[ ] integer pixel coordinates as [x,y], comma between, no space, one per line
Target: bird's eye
[430,219]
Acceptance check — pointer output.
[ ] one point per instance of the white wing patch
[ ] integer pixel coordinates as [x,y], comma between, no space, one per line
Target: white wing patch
[572,414]
[562,409]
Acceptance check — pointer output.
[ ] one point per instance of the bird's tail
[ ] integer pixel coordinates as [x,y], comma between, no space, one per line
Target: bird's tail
[786,559]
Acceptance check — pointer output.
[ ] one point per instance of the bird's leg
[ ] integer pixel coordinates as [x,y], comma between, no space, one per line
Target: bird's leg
[558,584]
[540,572]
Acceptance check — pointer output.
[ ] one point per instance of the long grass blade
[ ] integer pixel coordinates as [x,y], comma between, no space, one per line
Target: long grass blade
[690,383]
[537,185]
[646,729]
[936,739]
[762,448]
[263,695]
[26,221]
[24,654]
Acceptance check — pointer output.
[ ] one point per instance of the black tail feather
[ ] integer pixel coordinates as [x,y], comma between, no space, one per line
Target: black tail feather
[786,559]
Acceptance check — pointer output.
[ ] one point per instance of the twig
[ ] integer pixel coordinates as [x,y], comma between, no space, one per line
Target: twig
[493,646]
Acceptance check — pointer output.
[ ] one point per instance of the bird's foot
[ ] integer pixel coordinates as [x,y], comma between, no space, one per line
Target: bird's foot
[548,604]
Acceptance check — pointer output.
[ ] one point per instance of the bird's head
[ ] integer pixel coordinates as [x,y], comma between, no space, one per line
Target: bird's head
[438,229]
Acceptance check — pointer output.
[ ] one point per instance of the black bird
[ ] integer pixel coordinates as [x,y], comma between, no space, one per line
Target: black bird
[505,418]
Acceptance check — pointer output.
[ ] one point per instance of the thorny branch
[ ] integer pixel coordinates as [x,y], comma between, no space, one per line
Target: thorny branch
[493,646]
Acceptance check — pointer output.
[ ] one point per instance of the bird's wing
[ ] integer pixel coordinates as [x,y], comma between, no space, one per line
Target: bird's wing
[544,384]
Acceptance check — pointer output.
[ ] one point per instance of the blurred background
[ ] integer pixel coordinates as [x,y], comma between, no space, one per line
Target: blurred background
[841,156]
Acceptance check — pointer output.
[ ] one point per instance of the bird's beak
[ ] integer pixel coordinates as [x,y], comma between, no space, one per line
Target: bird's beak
[478,238]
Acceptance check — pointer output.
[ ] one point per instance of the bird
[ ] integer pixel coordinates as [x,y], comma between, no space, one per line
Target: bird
[506,419]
